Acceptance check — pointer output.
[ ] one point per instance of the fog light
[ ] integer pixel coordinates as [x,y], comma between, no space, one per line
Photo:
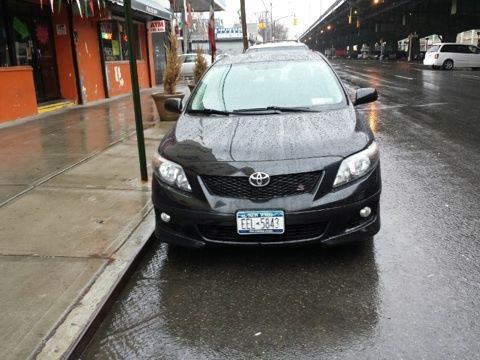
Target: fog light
[165,217]
[365,212]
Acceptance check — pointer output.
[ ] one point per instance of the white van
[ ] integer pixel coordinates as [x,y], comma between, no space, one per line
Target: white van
[450,55]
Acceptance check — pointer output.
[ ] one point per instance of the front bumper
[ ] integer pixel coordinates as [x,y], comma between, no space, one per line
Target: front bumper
[322,222]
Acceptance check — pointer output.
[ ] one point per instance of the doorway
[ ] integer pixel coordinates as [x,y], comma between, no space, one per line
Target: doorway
[33,45]
[159,56]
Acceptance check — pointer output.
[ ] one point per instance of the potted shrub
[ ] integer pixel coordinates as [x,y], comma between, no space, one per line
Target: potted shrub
[171,75]
[199,69]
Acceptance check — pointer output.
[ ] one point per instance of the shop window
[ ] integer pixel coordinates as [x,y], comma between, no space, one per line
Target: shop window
[114,40]
[4,55]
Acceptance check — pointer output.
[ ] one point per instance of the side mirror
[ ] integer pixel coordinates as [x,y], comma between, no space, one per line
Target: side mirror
[173,105]
[365,96]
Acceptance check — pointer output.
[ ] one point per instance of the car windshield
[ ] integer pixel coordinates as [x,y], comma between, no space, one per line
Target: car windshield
[305,84]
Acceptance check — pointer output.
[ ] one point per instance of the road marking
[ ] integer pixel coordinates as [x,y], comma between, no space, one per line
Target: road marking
[468,76]
[403,77]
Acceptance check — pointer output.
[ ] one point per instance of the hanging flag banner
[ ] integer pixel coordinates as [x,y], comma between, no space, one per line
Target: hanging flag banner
[156,26]
[189,16]
[211,31]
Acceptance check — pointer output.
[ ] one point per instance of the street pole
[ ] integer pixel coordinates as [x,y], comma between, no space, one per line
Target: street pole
[244,24]
[184,26]
[272,36]
[135,90]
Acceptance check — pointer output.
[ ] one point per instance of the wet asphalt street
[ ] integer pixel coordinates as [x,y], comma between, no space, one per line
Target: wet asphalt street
[414,293]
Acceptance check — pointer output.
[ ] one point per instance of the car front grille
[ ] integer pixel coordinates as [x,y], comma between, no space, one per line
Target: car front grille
[292,233]
[279,186]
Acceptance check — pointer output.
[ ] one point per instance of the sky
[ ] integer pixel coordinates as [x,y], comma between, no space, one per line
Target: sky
[306,11]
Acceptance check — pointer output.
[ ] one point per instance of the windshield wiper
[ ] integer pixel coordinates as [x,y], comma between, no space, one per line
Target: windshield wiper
[276,109]
[209,112]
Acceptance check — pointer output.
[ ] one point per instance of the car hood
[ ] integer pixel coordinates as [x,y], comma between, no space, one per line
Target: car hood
[251,138]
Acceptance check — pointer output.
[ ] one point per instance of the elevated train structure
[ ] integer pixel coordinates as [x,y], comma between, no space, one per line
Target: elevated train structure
[349,24]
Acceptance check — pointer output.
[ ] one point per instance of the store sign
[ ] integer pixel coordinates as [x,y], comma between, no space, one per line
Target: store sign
[156,26]
[228,33]
[61,29]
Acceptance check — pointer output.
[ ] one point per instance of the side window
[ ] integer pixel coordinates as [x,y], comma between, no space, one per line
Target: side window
[473,50]
[189,58]
[448,48]
[463,49]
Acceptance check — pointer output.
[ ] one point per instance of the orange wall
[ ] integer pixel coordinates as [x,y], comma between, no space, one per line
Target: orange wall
[17,93]
[89,62]
[143,66]
[63,49]
[118,74]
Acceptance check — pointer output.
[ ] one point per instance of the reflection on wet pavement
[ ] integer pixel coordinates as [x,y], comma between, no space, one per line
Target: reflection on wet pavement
[40,148]
[268,303]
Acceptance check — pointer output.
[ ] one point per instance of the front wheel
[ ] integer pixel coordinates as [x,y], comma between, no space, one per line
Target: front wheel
[448,65]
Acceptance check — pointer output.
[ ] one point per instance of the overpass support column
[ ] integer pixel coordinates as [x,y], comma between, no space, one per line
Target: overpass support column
[449,37]
[413,46]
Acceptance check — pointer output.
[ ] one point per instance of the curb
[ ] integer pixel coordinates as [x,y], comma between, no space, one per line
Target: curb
[73,334]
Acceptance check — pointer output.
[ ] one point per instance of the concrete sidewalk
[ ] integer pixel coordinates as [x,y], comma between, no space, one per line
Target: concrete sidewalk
[71,223]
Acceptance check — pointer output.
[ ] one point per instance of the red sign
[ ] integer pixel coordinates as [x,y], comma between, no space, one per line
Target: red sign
[156,26]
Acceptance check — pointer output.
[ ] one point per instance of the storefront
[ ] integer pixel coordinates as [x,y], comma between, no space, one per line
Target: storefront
[75,53]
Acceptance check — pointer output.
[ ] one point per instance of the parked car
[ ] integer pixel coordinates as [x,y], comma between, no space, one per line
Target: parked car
[268,152]
[449,56]
[396,55]
[278,46]
[188,64]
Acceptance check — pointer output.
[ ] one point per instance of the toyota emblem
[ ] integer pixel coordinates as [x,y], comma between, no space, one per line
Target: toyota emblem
[259,179]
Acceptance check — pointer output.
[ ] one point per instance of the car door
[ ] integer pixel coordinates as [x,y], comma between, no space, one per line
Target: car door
[464,55]
[473,56]
[448,51]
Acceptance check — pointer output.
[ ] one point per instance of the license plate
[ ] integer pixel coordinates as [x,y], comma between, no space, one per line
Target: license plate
[260,222]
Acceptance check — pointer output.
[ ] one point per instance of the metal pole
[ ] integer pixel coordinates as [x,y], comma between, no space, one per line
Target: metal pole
[272,36]
[244,24]
[135,90]
[184,27]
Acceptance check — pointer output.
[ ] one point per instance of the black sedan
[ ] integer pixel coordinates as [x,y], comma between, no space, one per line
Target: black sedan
[268,150]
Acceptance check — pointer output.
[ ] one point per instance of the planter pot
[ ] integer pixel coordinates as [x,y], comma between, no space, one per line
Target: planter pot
[160,99]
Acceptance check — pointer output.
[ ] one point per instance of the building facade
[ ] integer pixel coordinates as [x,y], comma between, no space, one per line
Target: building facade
[75,52]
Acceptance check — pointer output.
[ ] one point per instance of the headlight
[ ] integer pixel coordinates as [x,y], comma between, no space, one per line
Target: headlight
[170,173]
[357,165]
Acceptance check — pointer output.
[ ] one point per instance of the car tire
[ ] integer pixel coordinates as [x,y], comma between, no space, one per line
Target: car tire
[448,64]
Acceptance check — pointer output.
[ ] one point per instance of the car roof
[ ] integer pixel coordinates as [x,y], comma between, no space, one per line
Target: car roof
[267,56]
[279,44]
